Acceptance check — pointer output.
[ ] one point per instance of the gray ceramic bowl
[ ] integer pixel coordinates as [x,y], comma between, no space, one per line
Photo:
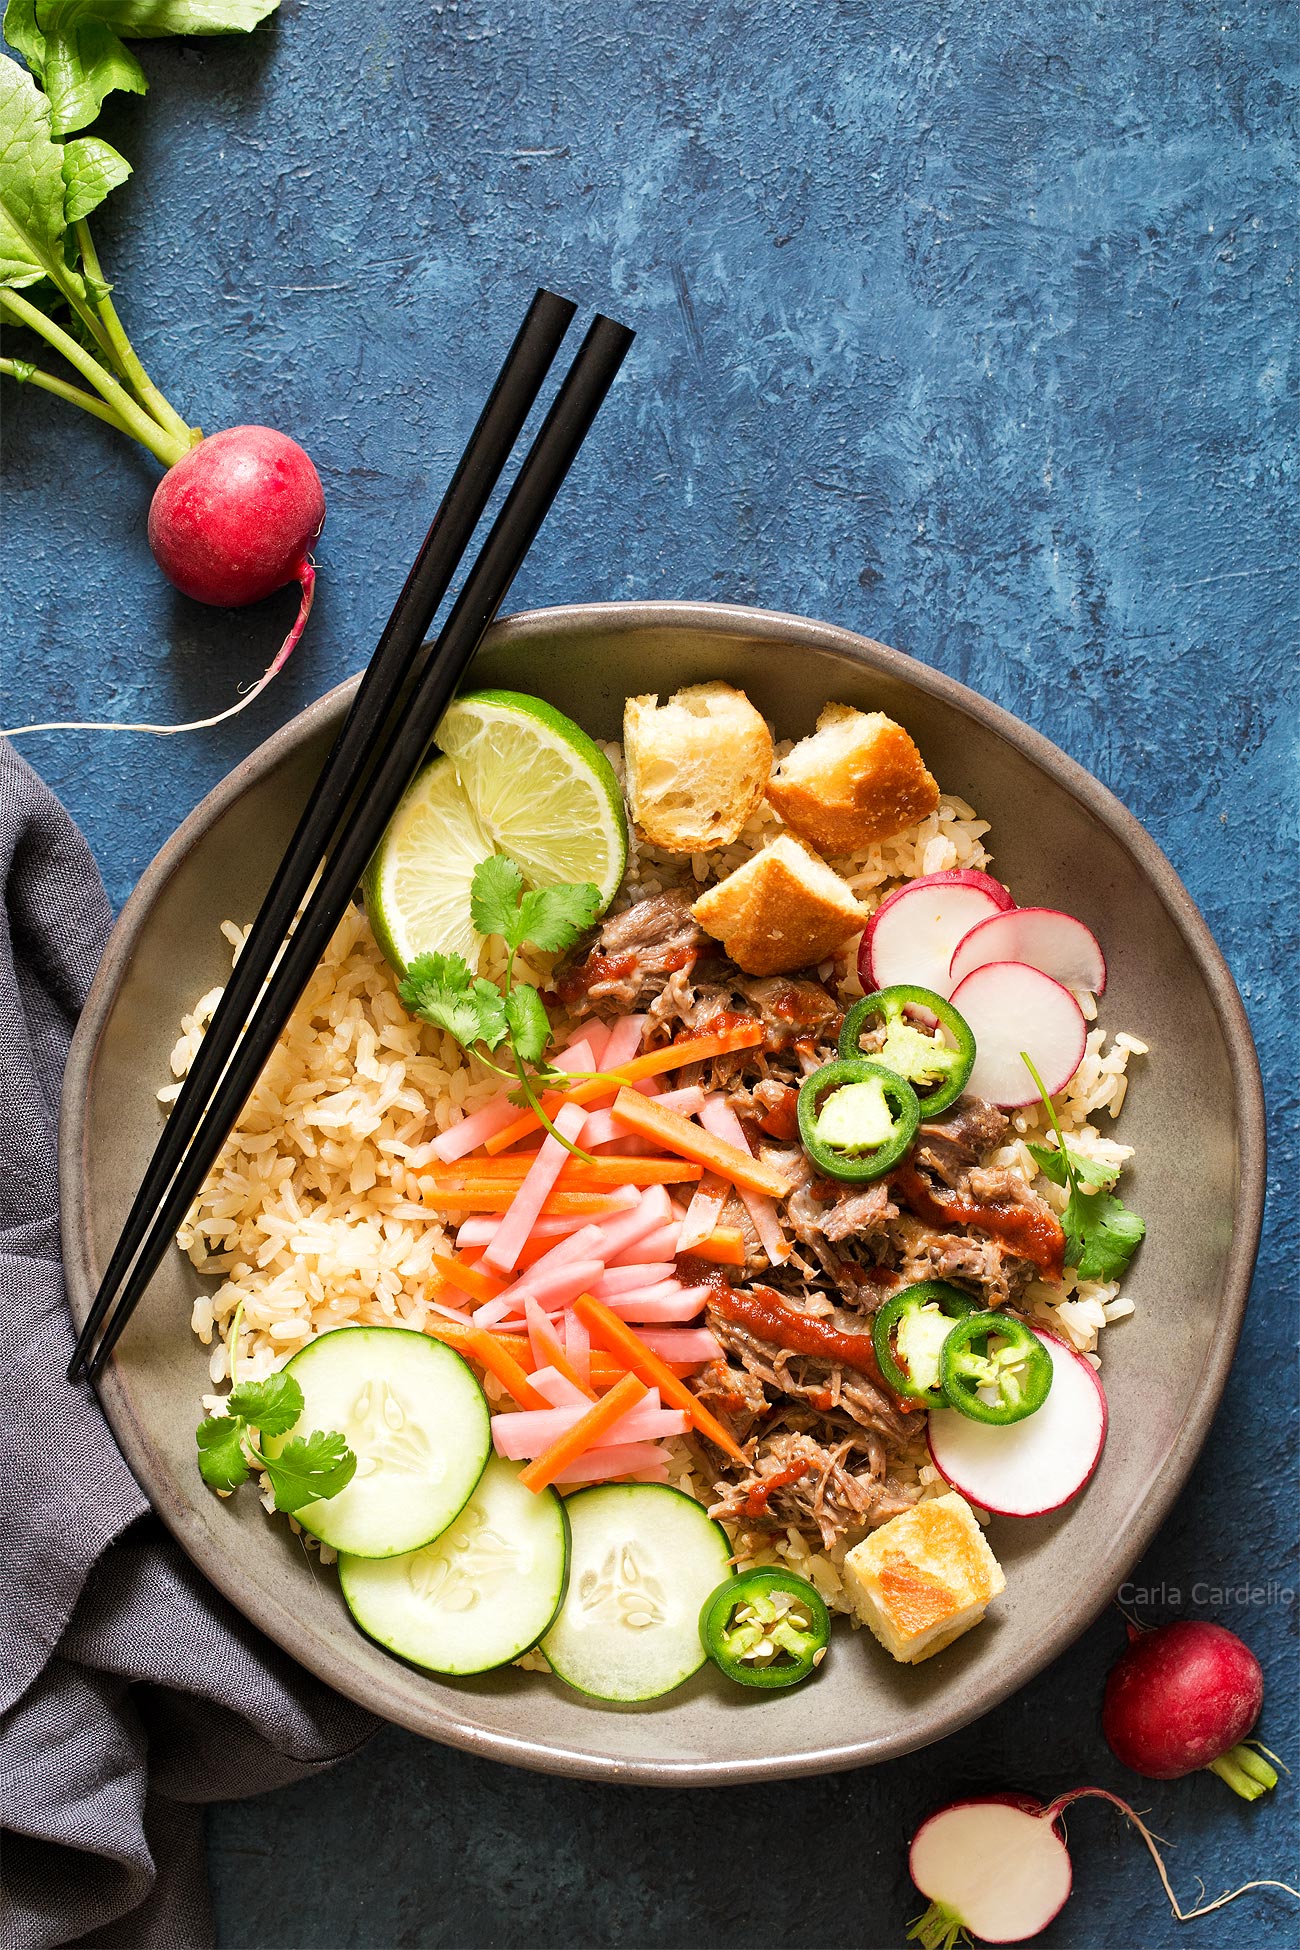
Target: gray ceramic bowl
[1060,840]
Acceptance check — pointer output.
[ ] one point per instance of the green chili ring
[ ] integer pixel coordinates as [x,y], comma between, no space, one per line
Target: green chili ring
[857,1168]
[890,1003]
[783,1639]
[966,1366]
[949,1299]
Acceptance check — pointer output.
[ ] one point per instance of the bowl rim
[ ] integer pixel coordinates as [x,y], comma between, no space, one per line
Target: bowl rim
[934,1720]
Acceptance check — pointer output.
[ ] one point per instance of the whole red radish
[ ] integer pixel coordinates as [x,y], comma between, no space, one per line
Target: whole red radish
[233,520]
[1181,1697]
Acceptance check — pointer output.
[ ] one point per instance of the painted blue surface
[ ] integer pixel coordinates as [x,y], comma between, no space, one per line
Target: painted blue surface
[970,328]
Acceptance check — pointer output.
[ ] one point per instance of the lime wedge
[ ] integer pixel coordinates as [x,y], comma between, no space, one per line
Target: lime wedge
[417,885]
[541,789]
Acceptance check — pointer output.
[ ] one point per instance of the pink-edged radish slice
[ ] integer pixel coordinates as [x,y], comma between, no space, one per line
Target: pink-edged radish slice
[1025,1469]
[997,1868]
[1015,1011]
[911,936]
[1055,943]
[993,1867]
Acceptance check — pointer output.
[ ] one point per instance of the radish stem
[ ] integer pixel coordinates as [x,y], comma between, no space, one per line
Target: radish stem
[1247,1774]
[164,446]
[29,375]
[128,362]
[306,579]
[1058,1807]
[938,1928]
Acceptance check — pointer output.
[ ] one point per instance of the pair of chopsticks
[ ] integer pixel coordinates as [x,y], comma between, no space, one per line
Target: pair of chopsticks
[384,738]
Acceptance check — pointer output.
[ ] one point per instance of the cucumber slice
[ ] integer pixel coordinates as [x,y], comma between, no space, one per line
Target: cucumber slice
[417,1420]
[479,1595]
[644,1559]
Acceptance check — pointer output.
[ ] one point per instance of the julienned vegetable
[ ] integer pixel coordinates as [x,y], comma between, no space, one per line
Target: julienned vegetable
[996,1868]
[993,1353]
[936,1070]
[856,1118]
[766,1628]
[908,1333]
[236,514]
[1184,1696]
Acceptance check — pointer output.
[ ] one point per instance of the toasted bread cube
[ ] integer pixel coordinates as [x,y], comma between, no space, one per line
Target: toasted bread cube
[857,779]
[696,766]
[784,909]
[923,1578]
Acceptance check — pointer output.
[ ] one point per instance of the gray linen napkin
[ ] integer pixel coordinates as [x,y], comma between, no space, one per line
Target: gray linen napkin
[130,1692]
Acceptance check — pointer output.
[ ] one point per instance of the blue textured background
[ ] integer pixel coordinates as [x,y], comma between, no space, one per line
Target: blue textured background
[967,327]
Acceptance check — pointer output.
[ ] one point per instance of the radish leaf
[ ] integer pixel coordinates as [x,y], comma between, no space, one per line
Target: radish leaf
[32,186]
[74,47]
[91,168]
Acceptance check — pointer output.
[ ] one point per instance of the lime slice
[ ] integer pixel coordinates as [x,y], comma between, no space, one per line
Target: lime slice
[543,791]
[417,885]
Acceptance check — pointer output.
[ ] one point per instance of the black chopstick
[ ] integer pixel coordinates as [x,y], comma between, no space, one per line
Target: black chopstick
[512,534]
[351,756]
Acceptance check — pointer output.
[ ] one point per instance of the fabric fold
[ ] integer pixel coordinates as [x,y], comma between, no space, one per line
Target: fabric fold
[130,1691]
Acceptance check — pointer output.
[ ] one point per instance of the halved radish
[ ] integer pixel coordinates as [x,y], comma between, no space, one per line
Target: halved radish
[996,1868]
[1055,943]
[1025,1469]
[1013,1011]
[911,936]
[993,1867]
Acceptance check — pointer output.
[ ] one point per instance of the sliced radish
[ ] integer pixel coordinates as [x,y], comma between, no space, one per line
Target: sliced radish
[1014,1011]
[911,936]
[1027,1468]
[994,1867]
[1055,943]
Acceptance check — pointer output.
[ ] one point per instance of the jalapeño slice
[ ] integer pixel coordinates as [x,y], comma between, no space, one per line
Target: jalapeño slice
[765,1627]
[908,1334]
[856,1118]
[937,1073]
[1018,1369]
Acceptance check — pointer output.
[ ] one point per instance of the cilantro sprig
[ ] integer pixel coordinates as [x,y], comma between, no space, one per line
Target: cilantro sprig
[444,991]
[1101,1233]
[308,1469]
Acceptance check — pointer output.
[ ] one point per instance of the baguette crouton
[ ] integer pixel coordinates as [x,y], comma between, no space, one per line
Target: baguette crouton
[696,766]
[784,909]
[857,779]
[923,1578]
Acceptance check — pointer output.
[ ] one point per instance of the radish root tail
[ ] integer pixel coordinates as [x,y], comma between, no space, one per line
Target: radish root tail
[1182,1915]
[306,578]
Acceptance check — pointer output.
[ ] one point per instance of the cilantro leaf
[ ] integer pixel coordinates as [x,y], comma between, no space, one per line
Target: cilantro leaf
[494,898]
[552,918]
[222,1462]
[530,1029]
[1101,1235]
[309,1468]
[440,990]
[272,1406]
[450,972]
[1055,1164]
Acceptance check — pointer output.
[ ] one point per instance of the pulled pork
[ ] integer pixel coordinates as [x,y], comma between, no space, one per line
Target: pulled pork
[796,1480]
